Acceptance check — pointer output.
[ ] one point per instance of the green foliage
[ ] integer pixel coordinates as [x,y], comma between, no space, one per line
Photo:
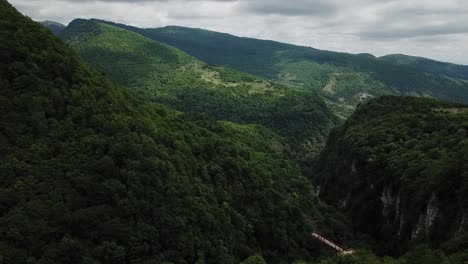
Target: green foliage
[91,173]
[360,75]
[257,259]
[421,255]
[359,258]
[398,167]
[429,66]
[173,78]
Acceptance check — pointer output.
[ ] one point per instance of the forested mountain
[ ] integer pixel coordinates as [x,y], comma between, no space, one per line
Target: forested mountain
[429,66]
[55,27]
[92,173]
[343,79]
[171,77]
[96,170]
[398,168]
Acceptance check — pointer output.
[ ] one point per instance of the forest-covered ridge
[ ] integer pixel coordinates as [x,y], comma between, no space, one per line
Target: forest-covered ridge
[342,79]
[398,168]
[94,173]
[171,77]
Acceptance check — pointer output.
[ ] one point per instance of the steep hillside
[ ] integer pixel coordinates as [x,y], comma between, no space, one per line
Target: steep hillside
[429,66]
[55,27]
[344,79]
[399,168]
[90,173]
[171,77]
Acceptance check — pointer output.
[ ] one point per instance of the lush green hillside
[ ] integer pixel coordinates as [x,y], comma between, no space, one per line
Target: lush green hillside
[171,77]
[343,79]
[90,173]
[398,167]
[55,27]
[429,66]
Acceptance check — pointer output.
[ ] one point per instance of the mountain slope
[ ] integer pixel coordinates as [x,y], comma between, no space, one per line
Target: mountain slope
[90,173]
[55,27]
[398,167]
[429,66]
[171,77]
[344,79]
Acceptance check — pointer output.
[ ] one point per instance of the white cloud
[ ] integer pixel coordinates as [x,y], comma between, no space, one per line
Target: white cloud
[430,28]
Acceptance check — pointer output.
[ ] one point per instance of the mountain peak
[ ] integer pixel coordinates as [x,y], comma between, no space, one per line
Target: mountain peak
[53,26]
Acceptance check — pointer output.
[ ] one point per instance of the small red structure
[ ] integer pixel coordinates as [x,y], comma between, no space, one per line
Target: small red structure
[327,242]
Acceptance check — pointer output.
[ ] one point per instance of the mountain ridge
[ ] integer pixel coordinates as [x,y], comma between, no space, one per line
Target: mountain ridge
[354,77]
[53,26]
[261,39]
[430,66]
[169,76]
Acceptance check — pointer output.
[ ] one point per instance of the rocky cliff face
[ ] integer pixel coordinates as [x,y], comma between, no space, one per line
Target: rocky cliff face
[398,167]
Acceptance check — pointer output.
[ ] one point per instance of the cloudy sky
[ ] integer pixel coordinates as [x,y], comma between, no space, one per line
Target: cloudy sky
[436,29]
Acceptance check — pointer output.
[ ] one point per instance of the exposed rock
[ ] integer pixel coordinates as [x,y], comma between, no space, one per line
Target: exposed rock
[402,223]
[462,227]
[387,201]
[353,167]
[431,213]
[397,206]
[426,219]
[417,231]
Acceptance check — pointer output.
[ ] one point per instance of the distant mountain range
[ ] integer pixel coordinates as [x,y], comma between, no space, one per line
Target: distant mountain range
[429,66]
[342,79]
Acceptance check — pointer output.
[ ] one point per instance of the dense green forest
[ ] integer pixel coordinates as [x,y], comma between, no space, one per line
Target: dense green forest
[92,173]
[398,168]
[144,154]
[342,79]
[429,66]
[173,78]
[419,255]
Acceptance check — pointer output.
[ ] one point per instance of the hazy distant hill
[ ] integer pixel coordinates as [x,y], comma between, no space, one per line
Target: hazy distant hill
[55,27]
[429,66]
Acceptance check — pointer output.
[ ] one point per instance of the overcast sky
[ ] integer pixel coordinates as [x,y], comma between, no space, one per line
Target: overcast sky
[435,29]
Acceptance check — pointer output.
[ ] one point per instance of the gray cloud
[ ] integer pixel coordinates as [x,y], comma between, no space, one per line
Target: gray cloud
[130,1]
[415,19]
[301,7]
[422,31]
[429,28]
